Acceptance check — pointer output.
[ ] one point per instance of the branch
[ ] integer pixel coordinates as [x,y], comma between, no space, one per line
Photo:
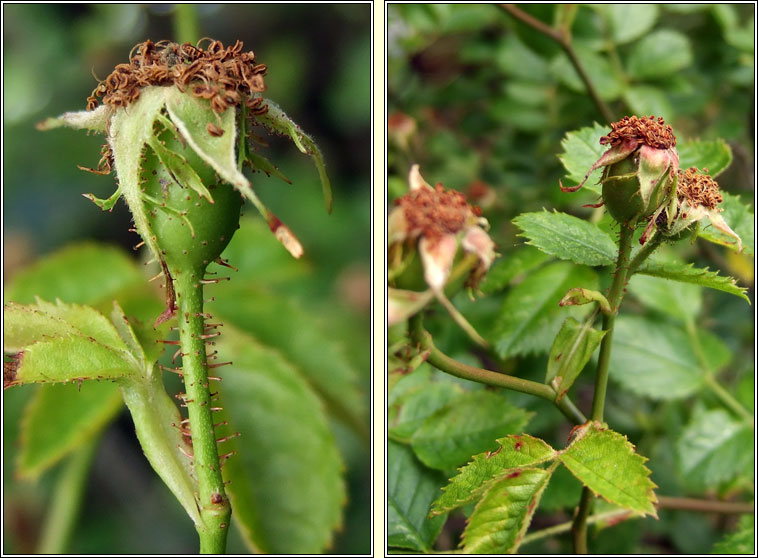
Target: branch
[564,40]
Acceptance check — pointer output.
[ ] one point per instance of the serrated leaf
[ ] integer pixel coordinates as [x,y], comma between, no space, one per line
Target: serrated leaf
[503,515]
[715,155]
[607,464]
[714,448]
[742,541]
[571,350]
[516,451]
[567,237]
[287,489]
[530,316]
[60,418]
[67,360]
[416,407]
[656,359]
[87,321]
[740,217]
[687,273]
[505,270]
[411,487]
[659,54]
[271,319]
[84,273]
[681,301]
[464,427]
[581,149]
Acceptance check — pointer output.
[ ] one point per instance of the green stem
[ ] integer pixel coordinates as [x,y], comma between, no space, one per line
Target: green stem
[563,38]
[460,370]
[214,504]
[615,295]
[655,240]
[67,499]
[186,27]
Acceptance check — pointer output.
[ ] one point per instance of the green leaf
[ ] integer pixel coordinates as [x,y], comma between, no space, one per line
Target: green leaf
[61,418]
[598,68]
[740,217]
[629,21]
[682,301]
[287,489]
[87,321]
[468,425]
[421,403]
[272,319]
[84,273]
[660,54]
[742,541]
[567,237]
[655,359]
[646,99]
[571,350]
[714,448]
[687,273]
[68,359]
[505,270]
[581,149]
[516,451]
[530,316]
[411,487]
[715,155]
[607,464]
[503,515]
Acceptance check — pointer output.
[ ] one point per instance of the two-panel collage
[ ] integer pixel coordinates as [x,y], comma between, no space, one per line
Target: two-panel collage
[378,278]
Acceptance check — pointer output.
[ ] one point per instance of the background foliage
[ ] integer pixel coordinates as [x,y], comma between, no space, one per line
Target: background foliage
[491,101]
[318,59]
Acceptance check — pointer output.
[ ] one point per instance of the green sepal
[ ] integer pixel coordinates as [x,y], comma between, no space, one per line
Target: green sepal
[179,169]
[578,296]
[277,121]
[107,204]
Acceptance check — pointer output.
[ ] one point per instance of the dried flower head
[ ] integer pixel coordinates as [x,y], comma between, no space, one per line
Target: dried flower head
[697,196]
[439,219]
[640,168]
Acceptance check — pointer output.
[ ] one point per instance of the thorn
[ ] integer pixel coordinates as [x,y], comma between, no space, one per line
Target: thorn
[189,455]
[229,437]
[216,378]
[214,280]
[176,354]
[209,335]
[211,299]
[219,364]
[222,458]
[208,326]
[138,246]
[225,263]
[214,409]
[167,342]
[154,278]
[177,371]
[222,423]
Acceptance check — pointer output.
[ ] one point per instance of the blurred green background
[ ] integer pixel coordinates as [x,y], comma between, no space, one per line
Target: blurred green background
[318,59]
[482,101]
